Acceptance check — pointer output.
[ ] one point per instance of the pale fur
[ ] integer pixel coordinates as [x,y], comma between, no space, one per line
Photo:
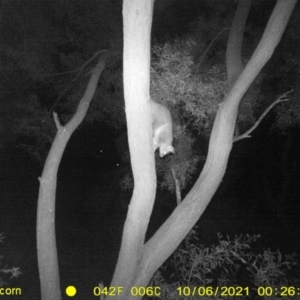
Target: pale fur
[162,128]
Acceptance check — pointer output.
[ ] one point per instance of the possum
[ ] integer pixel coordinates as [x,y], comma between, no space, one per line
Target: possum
[162,128]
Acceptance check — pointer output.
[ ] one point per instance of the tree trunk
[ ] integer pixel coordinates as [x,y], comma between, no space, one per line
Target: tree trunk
[137,18]
[146,259]
[46,241]
[234,61]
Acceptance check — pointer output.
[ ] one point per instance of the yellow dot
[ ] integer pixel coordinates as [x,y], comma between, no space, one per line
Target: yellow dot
[71,291]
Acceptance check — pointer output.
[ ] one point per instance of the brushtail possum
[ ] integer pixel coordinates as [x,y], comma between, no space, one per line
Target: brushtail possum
[162,128]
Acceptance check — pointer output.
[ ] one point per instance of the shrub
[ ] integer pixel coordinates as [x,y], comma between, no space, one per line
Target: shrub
[13,272]
[230,263]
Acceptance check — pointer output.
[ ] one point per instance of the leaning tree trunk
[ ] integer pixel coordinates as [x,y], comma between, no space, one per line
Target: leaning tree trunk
[146,259]
[234,61]
[46,241]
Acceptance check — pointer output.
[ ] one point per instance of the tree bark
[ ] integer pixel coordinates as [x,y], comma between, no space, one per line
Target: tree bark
[46,240]
[137,19]
[234,61]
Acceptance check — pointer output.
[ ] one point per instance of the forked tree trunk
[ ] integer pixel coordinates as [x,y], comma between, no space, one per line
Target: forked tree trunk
[46,240]
[137,261]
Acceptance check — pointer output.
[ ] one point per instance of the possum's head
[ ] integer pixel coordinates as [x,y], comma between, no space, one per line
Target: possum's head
[165,149]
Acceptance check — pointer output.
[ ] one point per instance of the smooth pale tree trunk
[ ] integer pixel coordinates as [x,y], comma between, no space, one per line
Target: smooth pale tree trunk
[46,240]
[137,20]
[147,258]
[234,62]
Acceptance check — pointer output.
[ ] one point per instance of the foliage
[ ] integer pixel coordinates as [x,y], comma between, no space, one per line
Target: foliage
[184,164]
[270,268]
[194,97]
[14,272]
[285,70]
[193,101]
[279,76]
[229,263]
[288,115]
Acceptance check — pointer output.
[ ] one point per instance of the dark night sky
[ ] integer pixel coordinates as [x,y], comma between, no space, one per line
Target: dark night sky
[91,207]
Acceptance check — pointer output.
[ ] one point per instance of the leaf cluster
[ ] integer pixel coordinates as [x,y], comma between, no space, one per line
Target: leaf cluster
[228,263]
[271,268]
[192,98]
[13,272]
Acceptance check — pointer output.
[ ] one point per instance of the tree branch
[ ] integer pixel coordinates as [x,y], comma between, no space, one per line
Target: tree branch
[79,70]
[212,42]
[177,187]
[281,98]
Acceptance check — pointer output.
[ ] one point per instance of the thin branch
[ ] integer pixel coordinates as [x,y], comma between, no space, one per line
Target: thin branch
[212,42]
[56,120]
[177,187]
[79,70]
[281,98]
